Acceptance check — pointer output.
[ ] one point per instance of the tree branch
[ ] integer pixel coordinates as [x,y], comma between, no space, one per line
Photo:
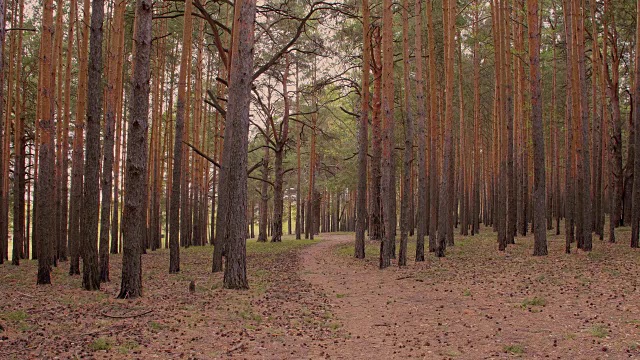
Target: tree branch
[216,36]
[214,102]
[197,151]
[263,180]
[285,48]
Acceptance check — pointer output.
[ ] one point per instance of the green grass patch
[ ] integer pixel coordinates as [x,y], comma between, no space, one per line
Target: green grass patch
[515,349]
[599,331]
[100,344]
[127,346]
[535,301]
[334,326]
[15,316]
[250,315]
[258,248]
[584,281]
[452,353]
[155,326]
[269,248]
[340,296]
[596,255]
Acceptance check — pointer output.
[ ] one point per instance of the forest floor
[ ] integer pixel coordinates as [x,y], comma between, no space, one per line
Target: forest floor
[312,300]
[478,303]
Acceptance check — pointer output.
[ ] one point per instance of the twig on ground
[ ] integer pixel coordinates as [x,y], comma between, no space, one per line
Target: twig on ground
[235,348]
[125,316]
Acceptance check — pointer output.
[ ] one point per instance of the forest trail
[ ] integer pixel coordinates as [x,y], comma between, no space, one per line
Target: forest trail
[385,314]
[355,293]
[477,303]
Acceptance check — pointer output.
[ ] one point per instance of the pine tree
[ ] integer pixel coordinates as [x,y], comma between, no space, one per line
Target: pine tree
[363,140]
[174,216]
[44,197]
[133,219]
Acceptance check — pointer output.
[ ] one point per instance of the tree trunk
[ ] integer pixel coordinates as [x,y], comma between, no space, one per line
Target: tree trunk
[423,186]
[290,218]
[569,157]
[278,195]
[11,106]
[109,129]
[185,182]
[44,198]
[77,180]
[539,192]
[445,221]
[462,157]
[555,161]
[636,123]
[597,128]
[405,210]
[585,126]
[363,140]
[477,152]
[4,132]
[174,216]
[264,193]
[231,218]
[615,141]
[134,194]
[311,223]
[19,239]
[91,200]
[115,217]
[375,206]
[299,204]
[388,194]
[60,251]
[511,225]
[64,158]
[433,134]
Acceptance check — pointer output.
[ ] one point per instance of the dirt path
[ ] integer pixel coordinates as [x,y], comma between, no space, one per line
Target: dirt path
[478,304]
